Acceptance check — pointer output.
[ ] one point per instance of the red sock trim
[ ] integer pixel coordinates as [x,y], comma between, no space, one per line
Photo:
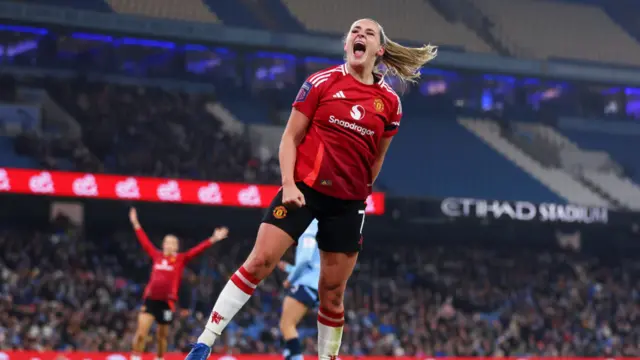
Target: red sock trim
[330,314]
[248,276]
[331,323]
[235,279]
[330,318]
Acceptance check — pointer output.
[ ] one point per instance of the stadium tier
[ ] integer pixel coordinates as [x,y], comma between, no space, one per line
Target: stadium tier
[413,20]
[190,10]
[453,162]
[600,31]
[616,145]
[504,221]
[529,28]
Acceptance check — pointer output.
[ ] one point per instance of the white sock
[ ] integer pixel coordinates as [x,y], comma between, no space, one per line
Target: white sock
[135,357]
[330,327]
[232,298]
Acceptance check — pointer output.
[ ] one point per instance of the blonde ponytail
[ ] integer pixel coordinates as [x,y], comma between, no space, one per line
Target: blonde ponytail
[400,61]
[405,62]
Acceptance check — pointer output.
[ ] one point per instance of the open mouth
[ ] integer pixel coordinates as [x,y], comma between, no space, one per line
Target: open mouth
[358,49]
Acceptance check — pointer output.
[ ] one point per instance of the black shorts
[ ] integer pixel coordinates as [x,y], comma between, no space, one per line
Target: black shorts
[305,295]
[161,310]
[340,222]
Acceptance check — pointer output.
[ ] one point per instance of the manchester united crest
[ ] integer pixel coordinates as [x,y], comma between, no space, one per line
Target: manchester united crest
[280,212]
[378,105]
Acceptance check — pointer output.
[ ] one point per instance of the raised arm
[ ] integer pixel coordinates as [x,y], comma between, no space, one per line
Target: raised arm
[141,235]
[218,234]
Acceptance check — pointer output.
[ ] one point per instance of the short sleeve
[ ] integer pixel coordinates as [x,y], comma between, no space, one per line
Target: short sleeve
[307,99]
[391,128]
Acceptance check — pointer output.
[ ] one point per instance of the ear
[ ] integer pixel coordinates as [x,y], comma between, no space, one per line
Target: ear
[380,51]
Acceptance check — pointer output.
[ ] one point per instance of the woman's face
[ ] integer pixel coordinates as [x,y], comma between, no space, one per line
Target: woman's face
[362,45]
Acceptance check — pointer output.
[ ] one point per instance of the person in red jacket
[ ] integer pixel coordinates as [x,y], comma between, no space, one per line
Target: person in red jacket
[161,293]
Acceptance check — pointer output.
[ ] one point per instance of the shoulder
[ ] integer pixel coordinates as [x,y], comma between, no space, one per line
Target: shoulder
[323,76]
[388,91]
[391,96]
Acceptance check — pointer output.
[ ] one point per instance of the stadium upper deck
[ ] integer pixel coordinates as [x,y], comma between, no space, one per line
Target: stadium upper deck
[579,30]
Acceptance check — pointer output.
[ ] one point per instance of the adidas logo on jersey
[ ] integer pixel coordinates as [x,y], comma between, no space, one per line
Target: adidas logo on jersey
[339,95]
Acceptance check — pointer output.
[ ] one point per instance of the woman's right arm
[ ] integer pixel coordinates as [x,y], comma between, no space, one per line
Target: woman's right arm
[141,235]
[293,134]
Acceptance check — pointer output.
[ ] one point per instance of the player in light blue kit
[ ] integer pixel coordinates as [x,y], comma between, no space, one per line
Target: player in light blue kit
[302,285]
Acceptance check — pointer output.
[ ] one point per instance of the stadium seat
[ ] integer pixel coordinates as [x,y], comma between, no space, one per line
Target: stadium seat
[191,10]
[620,147]
[547,29]
[257,113]
[410,20]
[440,158]
[621,188]
[233,13]
[625,13]
[8,157]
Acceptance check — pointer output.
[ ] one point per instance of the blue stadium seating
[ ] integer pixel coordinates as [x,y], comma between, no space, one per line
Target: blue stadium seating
[625,13]
[233,13]
[8,158]
[620,147]
[440,158]
[274,15]
[255,113]
[282,16]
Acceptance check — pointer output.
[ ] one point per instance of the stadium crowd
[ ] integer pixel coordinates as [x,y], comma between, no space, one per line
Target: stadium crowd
[137,130]
[66,289]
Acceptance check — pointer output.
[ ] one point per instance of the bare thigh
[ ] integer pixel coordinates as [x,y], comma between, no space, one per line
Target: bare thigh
[145,321]
[271,243]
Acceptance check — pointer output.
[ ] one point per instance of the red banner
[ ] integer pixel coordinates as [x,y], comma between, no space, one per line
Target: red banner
[26,355]
[99,186]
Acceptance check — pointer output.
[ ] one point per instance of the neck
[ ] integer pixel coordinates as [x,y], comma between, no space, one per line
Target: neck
[363,74]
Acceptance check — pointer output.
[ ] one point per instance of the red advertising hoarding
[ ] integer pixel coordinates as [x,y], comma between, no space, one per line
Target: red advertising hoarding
[138,188]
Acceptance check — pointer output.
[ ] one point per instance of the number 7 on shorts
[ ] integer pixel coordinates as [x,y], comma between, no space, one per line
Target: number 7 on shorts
[361,212]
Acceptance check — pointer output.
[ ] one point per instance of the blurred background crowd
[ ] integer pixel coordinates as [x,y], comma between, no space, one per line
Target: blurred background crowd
[62,289]
[532,101]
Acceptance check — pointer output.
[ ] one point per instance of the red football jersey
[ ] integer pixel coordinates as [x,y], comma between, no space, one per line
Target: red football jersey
[166,274]
[348,120]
